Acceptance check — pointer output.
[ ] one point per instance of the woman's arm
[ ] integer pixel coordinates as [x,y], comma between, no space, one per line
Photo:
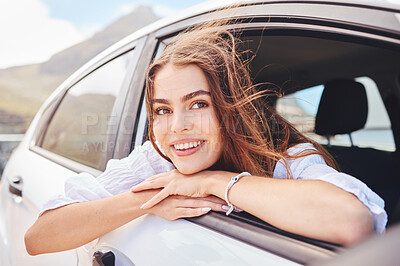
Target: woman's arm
[312,208]
[76,224]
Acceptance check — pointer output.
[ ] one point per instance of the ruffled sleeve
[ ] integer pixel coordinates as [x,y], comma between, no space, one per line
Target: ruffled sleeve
[313,167]
[119,176]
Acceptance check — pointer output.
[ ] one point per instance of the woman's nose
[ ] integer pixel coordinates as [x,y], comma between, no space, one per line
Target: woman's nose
[181,121]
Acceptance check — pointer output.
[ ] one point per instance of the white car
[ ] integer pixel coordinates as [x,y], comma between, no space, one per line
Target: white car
[301,46]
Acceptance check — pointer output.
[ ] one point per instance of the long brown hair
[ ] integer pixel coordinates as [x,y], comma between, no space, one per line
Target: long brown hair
[255,136]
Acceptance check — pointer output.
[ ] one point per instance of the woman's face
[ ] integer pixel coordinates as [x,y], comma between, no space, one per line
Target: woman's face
[185,124]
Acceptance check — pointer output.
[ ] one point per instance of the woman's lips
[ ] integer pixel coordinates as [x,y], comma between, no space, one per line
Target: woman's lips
[188,151]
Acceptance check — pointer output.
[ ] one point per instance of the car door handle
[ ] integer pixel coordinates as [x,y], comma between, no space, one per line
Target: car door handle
[101,258]
[109,257]
[14,185]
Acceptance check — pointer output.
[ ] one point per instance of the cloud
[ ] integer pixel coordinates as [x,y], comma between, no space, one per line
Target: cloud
[159,9]
[164,11]
[125,9]
[30,35]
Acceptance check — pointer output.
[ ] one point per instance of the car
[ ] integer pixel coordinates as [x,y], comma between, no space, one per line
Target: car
[336,63]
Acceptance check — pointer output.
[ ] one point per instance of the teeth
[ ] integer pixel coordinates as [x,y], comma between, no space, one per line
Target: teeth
[184,146]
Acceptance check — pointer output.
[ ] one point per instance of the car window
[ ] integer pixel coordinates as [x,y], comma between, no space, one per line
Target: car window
[83,121]
[300,108]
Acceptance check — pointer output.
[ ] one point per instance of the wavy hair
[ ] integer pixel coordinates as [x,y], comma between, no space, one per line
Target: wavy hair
[255,136]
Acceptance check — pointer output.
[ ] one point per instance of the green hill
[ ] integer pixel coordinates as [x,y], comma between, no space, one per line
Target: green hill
[24,88]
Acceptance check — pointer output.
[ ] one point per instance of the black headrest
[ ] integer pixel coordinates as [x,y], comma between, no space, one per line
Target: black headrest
[343,108]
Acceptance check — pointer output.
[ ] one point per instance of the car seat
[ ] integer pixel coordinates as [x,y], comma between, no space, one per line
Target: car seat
[343,109]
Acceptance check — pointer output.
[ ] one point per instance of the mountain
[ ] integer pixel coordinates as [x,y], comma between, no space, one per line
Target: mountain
[24,88]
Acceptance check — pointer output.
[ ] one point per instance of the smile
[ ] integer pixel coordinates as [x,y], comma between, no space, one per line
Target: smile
[187,148]
[187,145]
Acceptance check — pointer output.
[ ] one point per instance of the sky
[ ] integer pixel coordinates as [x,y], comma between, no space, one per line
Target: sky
[31,31]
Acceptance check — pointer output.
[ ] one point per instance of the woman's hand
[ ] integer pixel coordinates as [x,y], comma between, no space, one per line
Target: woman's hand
[174,183]
[175,207]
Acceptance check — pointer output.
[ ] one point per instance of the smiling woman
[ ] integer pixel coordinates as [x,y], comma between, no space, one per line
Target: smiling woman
[214,143]
[185,123]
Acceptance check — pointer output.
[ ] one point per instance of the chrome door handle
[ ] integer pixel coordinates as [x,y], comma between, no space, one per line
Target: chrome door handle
[15,186]
[16,179]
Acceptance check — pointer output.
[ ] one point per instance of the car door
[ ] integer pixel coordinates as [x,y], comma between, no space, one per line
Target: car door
[74,132]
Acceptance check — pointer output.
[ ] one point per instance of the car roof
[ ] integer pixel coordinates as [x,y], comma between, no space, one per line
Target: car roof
[212,5]
[209,6]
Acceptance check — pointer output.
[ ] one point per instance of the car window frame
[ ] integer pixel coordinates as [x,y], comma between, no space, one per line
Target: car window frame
[287,246]
[52,106]
[130,114]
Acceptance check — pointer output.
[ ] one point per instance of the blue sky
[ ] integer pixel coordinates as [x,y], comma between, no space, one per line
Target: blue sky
[95,12]
[33,30]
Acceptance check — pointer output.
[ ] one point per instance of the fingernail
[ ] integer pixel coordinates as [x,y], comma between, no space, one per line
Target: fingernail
[206,209]
[225,207]
[143,206]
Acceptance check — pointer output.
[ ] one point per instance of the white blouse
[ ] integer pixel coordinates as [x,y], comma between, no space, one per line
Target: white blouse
[144,161]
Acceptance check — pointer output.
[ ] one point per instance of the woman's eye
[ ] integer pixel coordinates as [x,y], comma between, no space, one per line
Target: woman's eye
[198,105]
[162,111]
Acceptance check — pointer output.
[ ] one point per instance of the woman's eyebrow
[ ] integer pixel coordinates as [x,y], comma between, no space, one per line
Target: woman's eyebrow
[194,94]
[184,98]
[164,101]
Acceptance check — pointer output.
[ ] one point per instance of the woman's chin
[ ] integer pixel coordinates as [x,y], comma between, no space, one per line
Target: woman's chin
[189,169]
[189,166]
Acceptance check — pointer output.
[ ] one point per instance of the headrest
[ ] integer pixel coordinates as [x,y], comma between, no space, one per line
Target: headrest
[343,108]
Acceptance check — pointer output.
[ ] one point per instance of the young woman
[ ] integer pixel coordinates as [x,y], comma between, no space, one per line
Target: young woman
[214,144]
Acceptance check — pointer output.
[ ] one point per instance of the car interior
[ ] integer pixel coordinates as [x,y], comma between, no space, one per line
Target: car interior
[292,63]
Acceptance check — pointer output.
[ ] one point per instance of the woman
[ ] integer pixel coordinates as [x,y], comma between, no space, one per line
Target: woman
[209,130]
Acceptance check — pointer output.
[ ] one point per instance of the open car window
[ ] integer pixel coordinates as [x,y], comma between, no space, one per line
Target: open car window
[300,108]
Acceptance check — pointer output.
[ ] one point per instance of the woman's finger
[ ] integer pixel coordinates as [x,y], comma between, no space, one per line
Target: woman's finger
[155,200]
[156,181]
[198,203]
[156,176]
[163,174]
[147,184]
[192,212]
